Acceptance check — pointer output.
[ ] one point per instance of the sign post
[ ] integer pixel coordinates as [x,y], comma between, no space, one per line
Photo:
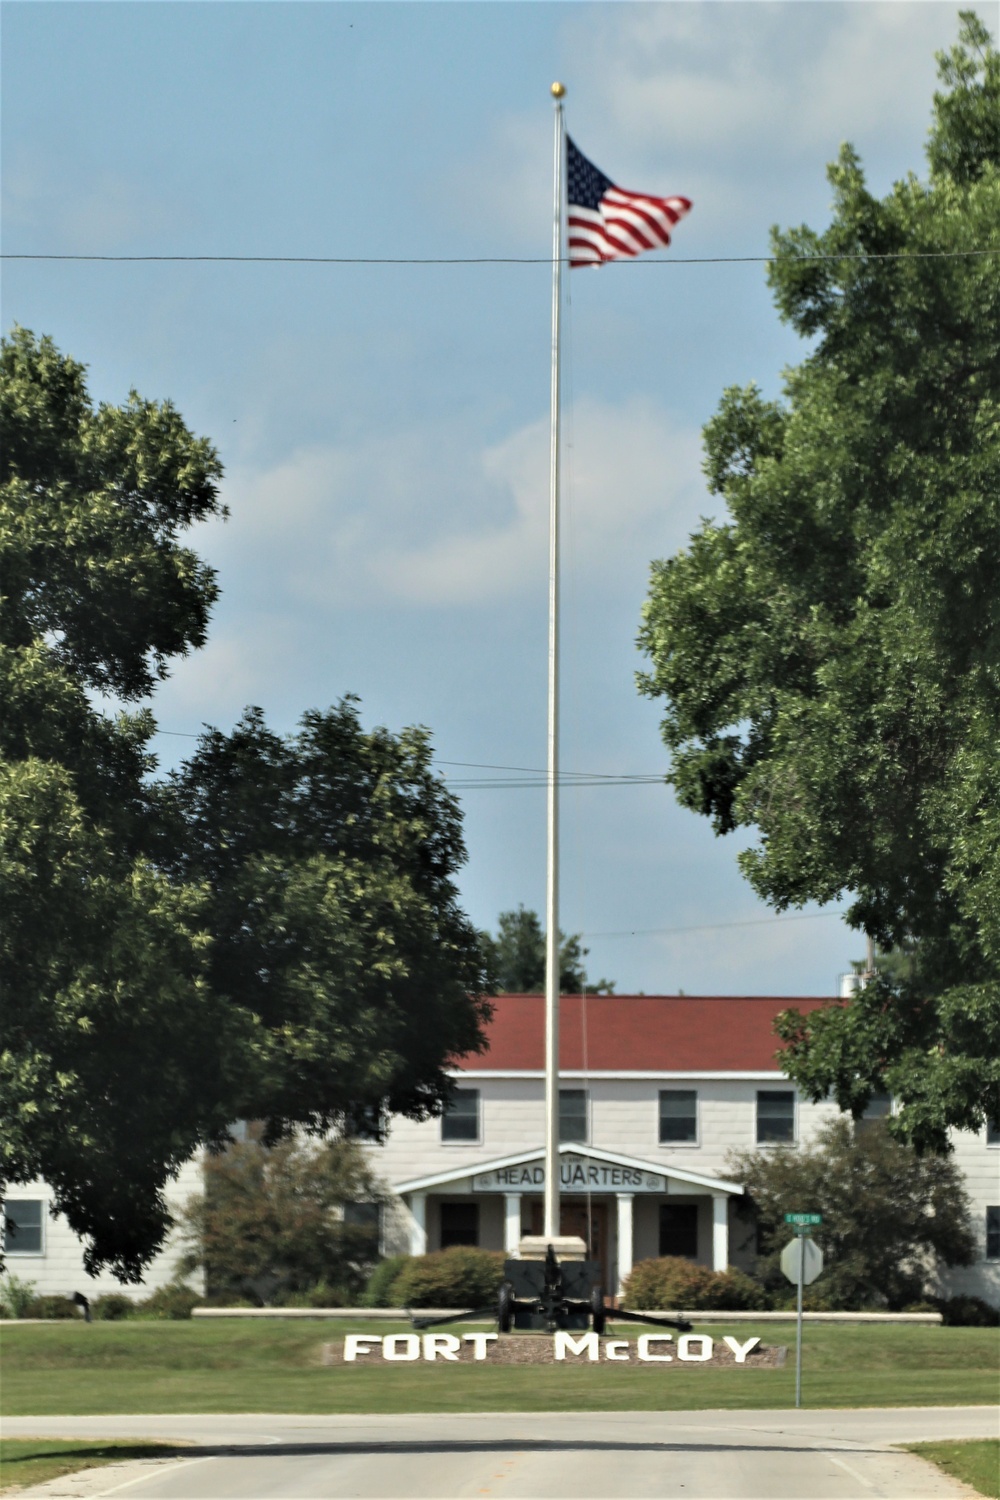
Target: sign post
[802,1262]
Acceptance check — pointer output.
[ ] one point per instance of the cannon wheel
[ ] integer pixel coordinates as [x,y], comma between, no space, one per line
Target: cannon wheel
[505,1307]
[598,1311]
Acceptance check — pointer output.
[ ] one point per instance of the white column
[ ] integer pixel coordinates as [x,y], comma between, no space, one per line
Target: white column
[511,1222]
[720,1231]
[625,1237]
[418,1223]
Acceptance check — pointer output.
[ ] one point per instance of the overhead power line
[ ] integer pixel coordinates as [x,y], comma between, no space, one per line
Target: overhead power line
[589,778]
[492,260]
[808,916]
[530,776]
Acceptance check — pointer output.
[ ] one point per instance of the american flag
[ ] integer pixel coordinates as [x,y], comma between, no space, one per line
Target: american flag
[606,222]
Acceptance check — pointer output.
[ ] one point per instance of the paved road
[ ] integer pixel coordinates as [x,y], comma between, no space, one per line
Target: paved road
[697,1455]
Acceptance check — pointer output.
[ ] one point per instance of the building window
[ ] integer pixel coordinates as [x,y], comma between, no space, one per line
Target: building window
[993,1132]
[459,1224]
[572,1114]
[678,1116]
[993,1232]
[679,1230]
[775,1116]
[365,1122]
[364,1217]
[876,1111]
[24,1220]
[460,1121]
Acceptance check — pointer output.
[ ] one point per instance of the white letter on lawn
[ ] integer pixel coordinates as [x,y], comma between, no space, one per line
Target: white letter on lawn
[445,1345]
[612,1345]
[479,1342]
[646,1339]
[740,1351]
[409,1341]
[585,1345]
[684,1350]
[358,1343]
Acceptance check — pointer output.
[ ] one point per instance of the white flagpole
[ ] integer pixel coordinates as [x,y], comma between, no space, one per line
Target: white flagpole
[552,1220]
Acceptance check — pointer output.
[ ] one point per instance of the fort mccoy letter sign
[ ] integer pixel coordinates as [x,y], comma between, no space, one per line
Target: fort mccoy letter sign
[652,1349]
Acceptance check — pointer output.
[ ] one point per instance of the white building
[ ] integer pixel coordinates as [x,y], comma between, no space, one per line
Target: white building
[40,1247]
[656,1091]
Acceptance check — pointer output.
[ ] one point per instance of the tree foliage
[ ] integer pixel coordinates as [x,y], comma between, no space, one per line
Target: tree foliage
[271,933]
[515,958]
[272,1223]
[891,1217]
[328,860]
[830,654]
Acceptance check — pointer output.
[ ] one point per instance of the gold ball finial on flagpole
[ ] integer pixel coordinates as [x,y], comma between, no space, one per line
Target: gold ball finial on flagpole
[558,90]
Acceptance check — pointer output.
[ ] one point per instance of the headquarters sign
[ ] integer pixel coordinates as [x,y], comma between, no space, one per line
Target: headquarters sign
[577,1174]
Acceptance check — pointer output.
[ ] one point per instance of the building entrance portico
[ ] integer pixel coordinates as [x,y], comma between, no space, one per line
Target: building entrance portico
[623,1196]
[587,1219]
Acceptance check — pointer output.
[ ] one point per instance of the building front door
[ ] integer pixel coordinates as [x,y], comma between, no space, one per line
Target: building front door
[574,1218]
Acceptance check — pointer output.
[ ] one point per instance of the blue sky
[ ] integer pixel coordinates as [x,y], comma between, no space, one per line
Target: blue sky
[384,428]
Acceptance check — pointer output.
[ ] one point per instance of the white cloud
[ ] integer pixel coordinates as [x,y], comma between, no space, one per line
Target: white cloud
[626,471]
[727,76]
[428,519]
[93,215]
[728,101]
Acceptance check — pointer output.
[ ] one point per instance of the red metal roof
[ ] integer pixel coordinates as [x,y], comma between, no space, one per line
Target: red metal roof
[640,1033]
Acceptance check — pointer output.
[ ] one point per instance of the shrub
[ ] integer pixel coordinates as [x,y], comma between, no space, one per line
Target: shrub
[112,1307]
[320,1295]
[670,1281]
[817,1298]
[460,1277]
[735,1291]
[51,1307]
[967,1312]
[380,1290]
[273,1222]
[175,1301]
[891,1217]
[16,1296]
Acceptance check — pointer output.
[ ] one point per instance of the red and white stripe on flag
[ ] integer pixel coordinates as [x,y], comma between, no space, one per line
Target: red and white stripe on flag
[623,224]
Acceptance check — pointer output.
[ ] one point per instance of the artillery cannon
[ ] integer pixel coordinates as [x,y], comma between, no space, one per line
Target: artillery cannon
[550,1294]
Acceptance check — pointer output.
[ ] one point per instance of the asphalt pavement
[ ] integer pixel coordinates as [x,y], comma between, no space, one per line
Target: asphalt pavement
[697,1455]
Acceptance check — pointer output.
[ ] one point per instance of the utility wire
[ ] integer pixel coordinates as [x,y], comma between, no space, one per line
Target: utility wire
[589,778]
[497,260]
[572,778]
[809,916]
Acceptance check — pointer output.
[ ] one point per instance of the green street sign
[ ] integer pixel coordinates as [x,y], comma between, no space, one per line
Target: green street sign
[803,1219]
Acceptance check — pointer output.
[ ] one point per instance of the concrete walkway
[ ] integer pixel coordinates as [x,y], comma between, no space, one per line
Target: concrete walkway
[697,1455]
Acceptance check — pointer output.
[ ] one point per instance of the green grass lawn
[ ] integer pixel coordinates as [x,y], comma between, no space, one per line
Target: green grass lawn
[25,1461]
[976,1462]
[76,1368]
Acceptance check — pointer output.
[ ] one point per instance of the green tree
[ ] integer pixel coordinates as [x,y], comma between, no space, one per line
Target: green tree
[114,1053]
[277,1221]
[328,860]
[272,934]
[515,958]
[891,1218]
[830,654]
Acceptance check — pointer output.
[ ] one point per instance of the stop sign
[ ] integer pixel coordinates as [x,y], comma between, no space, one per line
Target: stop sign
[806,1252]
